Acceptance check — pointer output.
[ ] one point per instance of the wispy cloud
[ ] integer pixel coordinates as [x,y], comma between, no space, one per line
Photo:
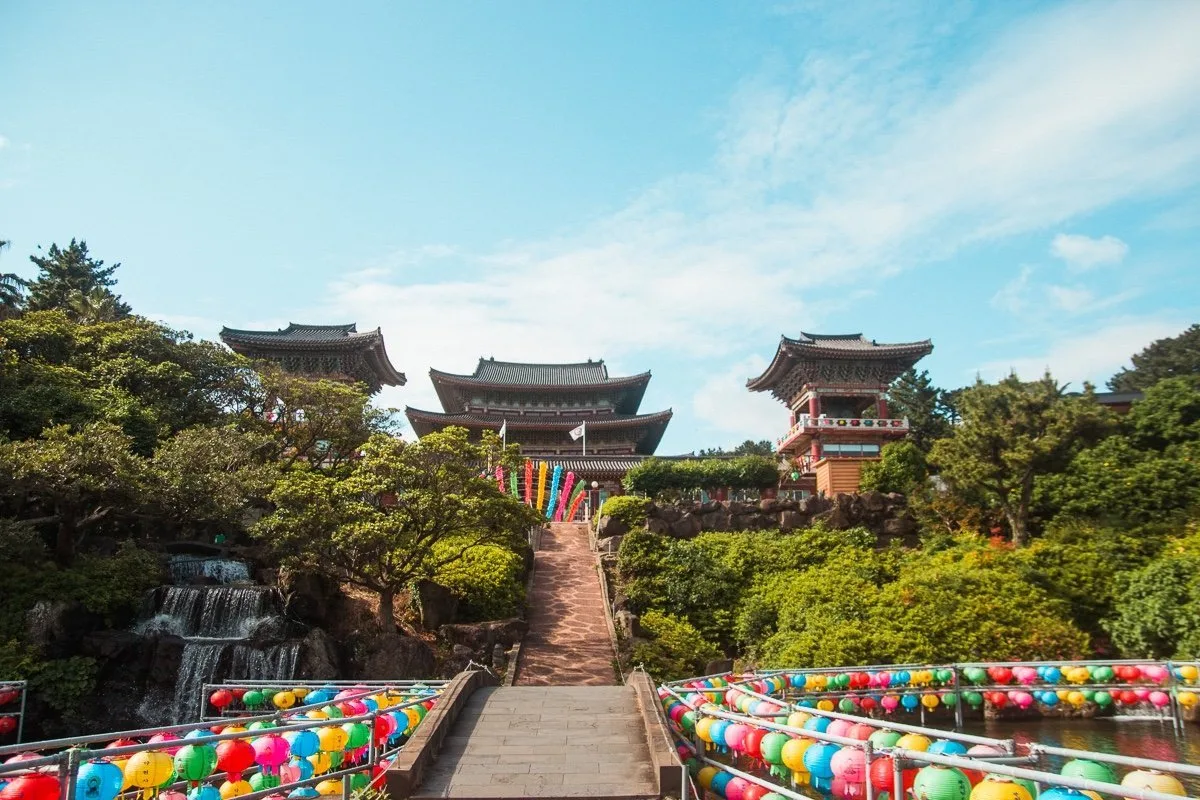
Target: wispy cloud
[3,142]
[1012,297]
[1083,252]
[724,403]
[1092,356]
[842,166]
[1070,298]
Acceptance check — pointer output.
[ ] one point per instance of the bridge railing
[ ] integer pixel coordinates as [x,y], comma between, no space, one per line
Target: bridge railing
[12,707]
[61,760]
[710,698]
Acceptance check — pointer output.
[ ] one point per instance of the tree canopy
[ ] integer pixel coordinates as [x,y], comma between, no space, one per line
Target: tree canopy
[70,280]
[1012,433]
[404,510]
[1173,357]
[929,409]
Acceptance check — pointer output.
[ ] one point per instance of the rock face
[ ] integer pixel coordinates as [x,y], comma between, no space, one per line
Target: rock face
[610,526]
[318,657]
[436,605]
[609,544]
[885,515]
[397,656]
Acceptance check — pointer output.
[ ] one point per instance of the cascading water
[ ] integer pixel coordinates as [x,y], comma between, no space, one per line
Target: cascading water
[227,632]
[186,569]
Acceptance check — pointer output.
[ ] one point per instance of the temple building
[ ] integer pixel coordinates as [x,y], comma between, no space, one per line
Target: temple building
[327,351]
[575,415]
[835,387]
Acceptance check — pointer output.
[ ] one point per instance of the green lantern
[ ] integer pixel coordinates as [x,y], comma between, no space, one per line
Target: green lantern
[975,675]
[261,780]
[253,698]
[1103,699]
[359,781]
[1089,770]
[974,699]
[195,762]
[884,738]
[358,733]
[941,783]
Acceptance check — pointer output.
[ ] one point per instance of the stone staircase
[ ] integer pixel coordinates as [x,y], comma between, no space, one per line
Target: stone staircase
[568,643]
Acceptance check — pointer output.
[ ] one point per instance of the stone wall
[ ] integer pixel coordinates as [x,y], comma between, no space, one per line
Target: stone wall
[886,515]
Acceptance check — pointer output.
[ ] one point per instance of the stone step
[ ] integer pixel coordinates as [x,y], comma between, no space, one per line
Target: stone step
[545,742]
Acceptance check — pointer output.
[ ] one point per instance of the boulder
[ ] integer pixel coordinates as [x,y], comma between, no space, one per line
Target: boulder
[658,525]
[687,526]
[836,518]
[610,544]
[769,505]
[436,605]
[166,659]
[308,597]
[611,526]
[873,501]
[627,625]
[621,602]
[669,514]
[899,526]
[791,520]
[56,627]
[461,651]
[715,521]
[484,635]
[318,657]
[267,631]
[394,656]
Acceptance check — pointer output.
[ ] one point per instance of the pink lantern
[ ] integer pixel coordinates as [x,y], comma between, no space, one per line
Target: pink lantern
[883,679]
[736,788]
[159,738]
[270,752]
[849,764]
[1159,699]
[735,735]
[889,702]
[846,790]
[1021,699]
[1141,694]
[1156,672]
[839,727]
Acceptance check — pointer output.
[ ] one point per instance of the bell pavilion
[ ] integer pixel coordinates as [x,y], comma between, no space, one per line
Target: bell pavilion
[541,405]
[835,387]
[327,351]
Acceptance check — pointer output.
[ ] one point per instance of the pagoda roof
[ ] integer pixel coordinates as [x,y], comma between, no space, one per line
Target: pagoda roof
[318,338]
[655,424]
[812,347]
[514,375]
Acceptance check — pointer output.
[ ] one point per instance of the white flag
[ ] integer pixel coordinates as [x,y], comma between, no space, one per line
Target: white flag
[503,428]
[578,432]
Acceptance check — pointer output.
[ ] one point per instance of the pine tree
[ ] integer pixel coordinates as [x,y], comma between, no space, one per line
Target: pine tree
[65,274]
[927,407]
[1173,357]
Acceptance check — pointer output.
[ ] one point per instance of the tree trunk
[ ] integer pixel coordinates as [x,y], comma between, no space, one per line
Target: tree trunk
[387,619]
[64,543]
[1018,523]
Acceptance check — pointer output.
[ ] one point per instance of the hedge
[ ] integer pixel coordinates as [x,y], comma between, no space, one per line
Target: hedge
[655,475]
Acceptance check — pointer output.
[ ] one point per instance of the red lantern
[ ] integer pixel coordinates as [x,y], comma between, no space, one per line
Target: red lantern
[7,725]
[234,756]
[7,696]
[1128,697]
[752,744]
[1001,675]
[754,792]
[998,699]
[37,786]
[238,694]
[221,698]
[881,776]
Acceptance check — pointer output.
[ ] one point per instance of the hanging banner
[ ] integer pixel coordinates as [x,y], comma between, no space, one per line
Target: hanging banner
[512,484]
[576,502]
[528,482]
[551,504]
[500,479]
[541,494]
[565,496]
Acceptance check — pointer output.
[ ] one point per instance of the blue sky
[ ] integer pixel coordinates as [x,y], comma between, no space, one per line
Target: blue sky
[667,185]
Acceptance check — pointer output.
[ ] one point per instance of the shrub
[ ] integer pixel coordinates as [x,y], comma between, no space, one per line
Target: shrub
[901,467]
[486,581]
[656,475]
[629,510]
[675,649]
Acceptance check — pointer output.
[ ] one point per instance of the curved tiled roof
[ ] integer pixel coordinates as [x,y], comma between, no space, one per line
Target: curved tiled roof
[317,338]
[654,424]
[848,346]
[514,373]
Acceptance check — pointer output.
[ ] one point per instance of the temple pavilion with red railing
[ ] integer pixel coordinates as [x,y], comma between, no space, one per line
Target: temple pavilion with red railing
[835,387]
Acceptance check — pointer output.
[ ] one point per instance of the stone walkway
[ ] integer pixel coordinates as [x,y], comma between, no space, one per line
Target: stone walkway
[545,742]
[568,642]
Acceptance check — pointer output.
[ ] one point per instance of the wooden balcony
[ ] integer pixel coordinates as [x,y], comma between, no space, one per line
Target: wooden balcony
[807,427]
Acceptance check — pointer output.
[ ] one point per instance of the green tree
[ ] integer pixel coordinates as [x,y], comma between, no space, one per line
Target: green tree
[73,481]
[12,290]
[66,273]
[927,407]
[900,468]
[1175,356]
[1158,613]
[380,526]
[1011,434]
[762,447]
[1168,414]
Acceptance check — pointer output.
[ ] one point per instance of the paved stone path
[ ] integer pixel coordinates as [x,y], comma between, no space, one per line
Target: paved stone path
[568,642]
[545,742]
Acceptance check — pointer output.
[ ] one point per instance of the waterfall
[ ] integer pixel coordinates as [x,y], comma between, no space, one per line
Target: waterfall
[185,569]
[217,624]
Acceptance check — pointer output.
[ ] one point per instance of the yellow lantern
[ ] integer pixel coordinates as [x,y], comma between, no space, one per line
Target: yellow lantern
[1078,675]
[1076,698]
[1062,694]
[996,788]
[1189,673]
[413,716]
[234,729]
[703,729]
[321,762]
[315,714]
[232,789]
[284,699]
[705,777]
[149,769]
[125,783]
[930,701]
[301,692]
[914,741]
[329,787]
[1187,699]
[825,705]
[332,740]
[1152,779]
[797,719]
[793,755]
